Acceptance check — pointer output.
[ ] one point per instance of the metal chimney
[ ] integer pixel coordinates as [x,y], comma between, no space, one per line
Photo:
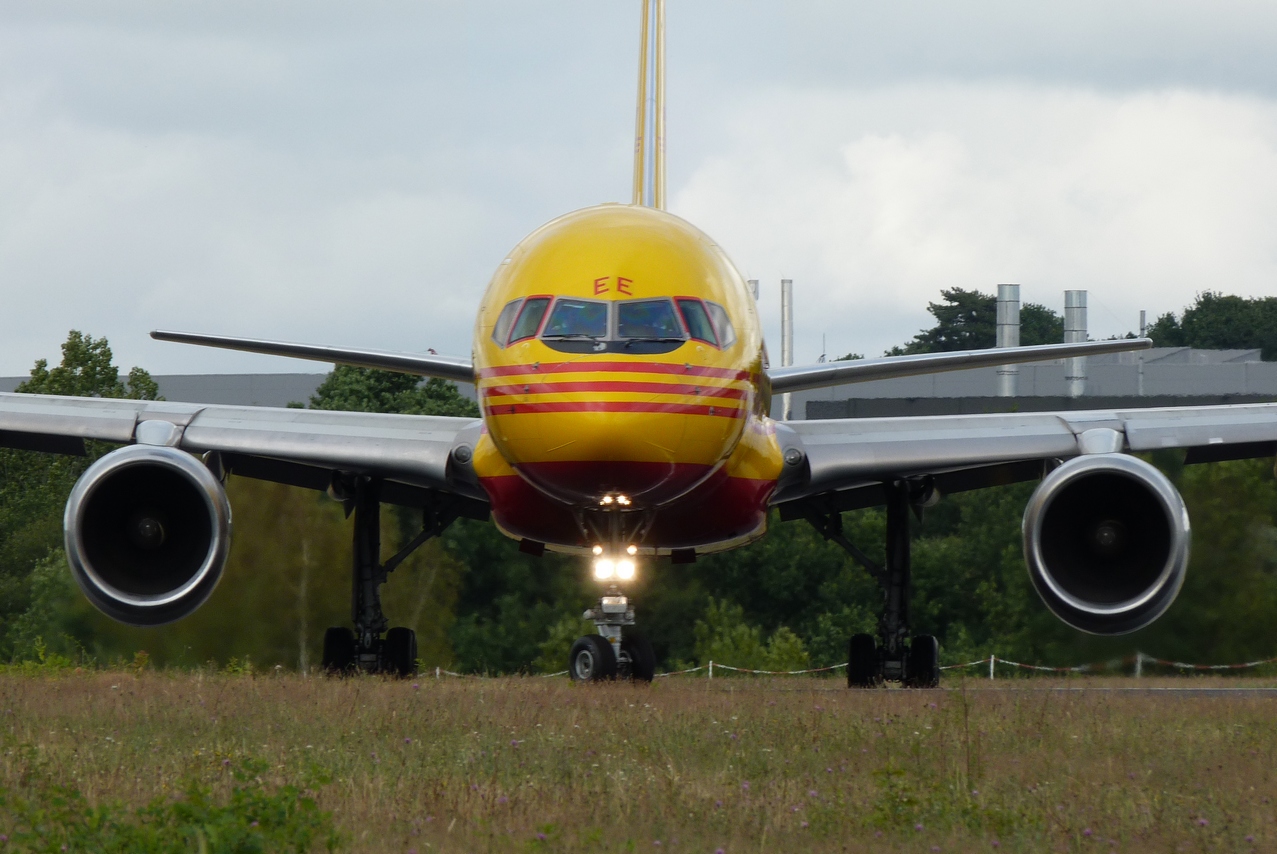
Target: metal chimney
[786,340]
[1008,336]
[1143,334]
[753,287]
[1075,331]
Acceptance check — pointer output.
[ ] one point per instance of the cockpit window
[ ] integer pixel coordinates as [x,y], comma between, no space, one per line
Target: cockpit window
[501,331]
[529,318]
[576,318]
[648,319]
[723,323]
[698,325]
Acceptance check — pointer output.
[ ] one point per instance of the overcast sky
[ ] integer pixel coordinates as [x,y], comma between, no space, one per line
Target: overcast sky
[352,173]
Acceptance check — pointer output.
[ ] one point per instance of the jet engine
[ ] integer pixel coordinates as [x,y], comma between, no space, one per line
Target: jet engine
[148,529]
[1106,538]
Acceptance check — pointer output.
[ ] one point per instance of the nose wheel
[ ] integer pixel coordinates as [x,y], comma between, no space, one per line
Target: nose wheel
[612,653]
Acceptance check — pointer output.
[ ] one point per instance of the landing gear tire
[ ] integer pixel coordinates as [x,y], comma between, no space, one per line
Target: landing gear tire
[592,659]
[642,660]
[862,662]
[923,669]
[339,651]
[399,653]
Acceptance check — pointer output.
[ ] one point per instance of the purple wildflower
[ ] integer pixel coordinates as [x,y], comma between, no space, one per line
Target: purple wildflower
[1202,822]
[407,741]
[918,826]
[744,786]
[1086,831]
[503,800]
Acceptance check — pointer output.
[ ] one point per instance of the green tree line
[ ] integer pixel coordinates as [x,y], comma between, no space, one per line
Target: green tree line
[479,605]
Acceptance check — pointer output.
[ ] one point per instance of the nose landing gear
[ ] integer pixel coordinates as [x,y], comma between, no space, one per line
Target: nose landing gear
[611,654]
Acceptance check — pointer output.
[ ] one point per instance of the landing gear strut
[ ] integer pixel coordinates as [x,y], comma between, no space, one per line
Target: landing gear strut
[365,649]
[892,655]
[611,654]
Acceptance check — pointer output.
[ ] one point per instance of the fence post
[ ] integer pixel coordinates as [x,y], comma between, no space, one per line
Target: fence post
[1139,664]
[992,660]
[436,672]
[711,668]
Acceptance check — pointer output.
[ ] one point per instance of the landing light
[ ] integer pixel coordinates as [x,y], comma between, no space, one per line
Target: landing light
[631,550]
[607,499]
[605,567]
[598,550]
[625,569]
[623,500]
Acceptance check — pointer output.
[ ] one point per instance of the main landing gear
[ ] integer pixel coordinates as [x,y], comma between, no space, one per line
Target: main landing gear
[892,655]
[373,647]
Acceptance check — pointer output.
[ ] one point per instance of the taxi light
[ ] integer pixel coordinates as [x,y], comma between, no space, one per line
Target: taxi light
[604,568]
[607,499]
[623,500]
[625,569]
[631,550]
[598,550]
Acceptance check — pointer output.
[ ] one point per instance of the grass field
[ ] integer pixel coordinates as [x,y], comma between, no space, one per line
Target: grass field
[682,765]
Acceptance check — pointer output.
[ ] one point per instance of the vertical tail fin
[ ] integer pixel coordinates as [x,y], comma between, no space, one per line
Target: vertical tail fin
[650,152]
[640,119]
[658,191]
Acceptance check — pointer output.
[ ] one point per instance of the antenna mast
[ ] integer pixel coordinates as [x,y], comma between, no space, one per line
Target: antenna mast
[643,144]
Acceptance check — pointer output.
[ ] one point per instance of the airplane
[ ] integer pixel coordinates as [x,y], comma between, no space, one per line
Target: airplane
[625,393]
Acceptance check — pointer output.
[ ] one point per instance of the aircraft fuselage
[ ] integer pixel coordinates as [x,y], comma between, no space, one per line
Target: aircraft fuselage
[619,366]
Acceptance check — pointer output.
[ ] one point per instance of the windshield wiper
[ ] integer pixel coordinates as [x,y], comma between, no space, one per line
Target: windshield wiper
[572,336]
[653,339]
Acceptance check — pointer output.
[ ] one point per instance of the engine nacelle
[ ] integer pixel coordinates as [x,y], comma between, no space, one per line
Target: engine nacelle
[148,529]
[1106,538]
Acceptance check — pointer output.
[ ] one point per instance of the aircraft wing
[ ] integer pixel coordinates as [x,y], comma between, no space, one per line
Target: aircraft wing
[298,446]
[849,458]
[420,364]
[827,374]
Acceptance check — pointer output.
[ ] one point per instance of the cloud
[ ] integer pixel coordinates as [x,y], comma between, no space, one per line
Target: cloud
[321,172]
[874,200]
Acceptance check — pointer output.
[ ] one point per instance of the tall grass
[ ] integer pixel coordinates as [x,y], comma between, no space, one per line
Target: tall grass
[683,765]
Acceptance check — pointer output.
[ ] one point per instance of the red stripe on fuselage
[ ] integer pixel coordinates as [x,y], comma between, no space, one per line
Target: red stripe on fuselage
[628,367]
[614,386]
[725,411]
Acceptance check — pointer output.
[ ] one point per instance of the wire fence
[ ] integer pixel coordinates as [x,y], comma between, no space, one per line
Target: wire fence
[1136,662]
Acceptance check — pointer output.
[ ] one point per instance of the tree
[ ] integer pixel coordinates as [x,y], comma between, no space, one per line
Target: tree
[1221,322]
[34,486]
[368,390]
[967,320]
